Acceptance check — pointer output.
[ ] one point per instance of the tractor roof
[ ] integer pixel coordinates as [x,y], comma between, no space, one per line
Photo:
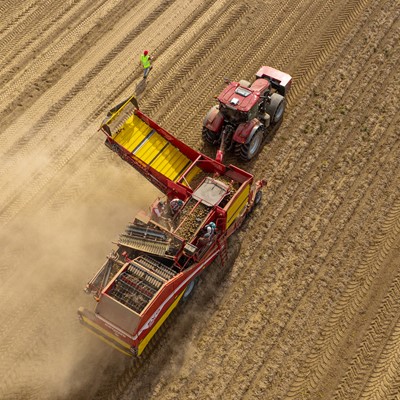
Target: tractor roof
[243,98]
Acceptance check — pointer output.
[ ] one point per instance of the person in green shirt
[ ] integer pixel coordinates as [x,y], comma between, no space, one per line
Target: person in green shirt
[145,59]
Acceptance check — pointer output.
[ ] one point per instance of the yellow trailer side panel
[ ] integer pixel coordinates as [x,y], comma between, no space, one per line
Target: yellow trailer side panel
[237,206]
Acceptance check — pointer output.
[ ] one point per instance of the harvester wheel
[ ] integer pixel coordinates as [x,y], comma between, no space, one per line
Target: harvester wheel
[189,289]
[276,108]
[247,151]
[258,197]
[209,136]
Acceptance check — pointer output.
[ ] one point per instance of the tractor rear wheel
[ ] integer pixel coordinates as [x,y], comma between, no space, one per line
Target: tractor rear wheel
[209,136]
[246,151]
[276,108]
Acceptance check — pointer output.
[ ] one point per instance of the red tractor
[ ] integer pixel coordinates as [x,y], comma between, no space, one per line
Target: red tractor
[246,113]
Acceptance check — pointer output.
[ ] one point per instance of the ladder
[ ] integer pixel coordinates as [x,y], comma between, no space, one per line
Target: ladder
[222,244]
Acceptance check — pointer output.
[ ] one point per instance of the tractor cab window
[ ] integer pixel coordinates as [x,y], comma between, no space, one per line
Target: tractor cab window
[243,92]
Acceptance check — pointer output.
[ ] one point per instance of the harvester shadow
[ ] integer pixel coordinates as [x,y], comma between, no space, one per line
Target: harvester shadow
[140,87]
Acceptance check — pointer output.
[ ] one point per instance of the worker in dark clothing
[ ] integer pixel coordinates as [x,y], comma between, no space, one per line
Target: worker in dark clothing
[145,59]
[210,230]
[175,205]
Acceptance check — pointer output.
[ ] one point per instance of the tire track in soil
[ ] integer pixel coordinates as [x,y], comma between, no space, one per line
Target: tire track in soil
[381,339]
[312,308]
[258,355]
[281,340]
[32,342]
[11,15]
[247,63]
[44,121]
[41,76]
[217,70]
[255,377]
[281,169]
[20,67]
[347,306]
[95,117]
[307,372]
[55,194]
[18,38]
[385,382]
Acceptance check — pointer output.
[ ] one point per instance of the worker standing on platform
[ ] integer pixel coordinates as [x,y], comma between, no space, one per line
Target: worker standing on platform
[145,59]
[210,230]
[175,205]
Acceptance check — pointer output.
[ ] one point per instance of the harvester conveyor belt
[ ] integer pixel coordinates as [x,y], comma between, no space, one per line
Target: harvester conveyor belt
[158,248]
[157,267]
[135,230]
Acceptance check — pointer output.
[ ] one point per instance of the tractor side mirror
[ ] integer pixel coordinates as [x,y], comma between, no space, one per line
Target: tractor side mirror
[227,81]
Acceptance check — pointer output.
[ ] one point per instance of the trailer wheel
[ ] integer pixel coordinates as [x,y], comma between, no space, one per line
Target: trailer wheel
[276,108]
[189,289]
[246,151]
[258,197]
[209,136]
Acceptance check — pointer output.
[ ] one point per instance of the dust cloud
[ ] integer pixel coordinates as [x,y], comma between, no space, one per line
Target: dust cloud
[48,258]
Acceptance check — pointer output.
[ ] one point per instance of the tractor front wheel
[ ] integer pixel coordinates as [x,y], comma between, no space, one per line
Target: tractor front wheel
[209,136]
[246,151]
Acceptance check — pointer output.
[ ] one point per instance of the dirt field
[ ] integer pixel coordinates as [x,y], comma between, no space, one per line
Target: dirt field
[310,309]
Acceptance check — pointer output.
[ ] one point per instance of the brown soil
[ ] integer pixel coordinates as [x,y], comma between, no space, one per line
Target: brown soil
[310,308]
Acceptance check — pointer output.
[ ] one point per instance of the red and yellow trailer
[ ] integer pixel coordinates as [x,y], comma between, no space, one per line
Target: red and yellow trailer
[160,254]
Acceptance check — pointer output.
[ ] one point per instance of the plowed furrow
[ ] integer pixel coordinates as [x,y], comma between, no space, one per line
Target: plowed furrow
[47,121]
[63,57]
[330,39]
[310,311]
[20,67]
[348,304]
[17,36]
[218,70]
[219,325]
[375,355]
[257,355]
[11,16]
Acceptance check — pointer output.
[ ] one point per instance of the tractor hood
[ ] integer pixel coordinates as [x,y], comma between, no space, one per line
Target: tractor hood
[238,97]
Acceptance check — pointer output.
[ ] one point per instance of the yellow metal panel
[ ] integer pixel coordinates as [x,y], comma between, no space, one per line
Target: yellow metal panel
[183,162]
[155,328]
[173,170]
[162,157]
[237,206]
[169,166]
[132,133]
[102,335]
[151,148]
[191,175]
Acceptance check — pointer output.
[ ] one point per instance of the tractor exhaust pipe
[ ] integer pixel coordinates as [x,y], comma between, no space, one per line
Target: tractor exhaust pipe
[220,152]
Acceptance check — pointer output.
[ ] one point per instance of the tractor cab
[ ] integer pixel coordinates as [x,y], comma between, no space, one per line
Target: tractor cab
[246,113]
[238,103]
